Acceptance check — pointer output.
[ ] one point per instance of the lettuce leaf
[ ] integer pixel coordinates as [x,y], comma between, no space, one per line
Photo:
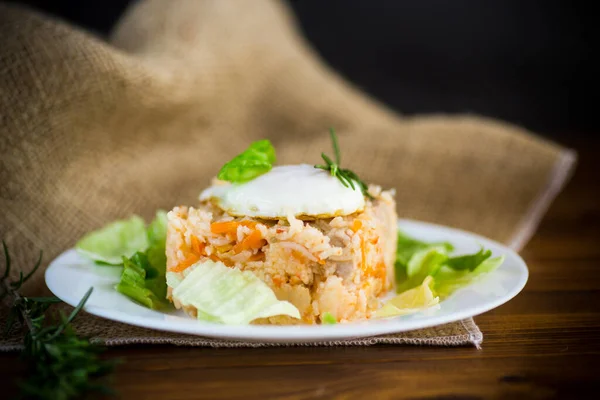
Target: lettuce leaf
[157,229]
[144,274]
[417,260]
[157,237]
[468,261]
[407,249]
[256,160]
[448,280]
[228,295]
[422,264]
[143,282]
[408,246]
[413,300]
[109,244]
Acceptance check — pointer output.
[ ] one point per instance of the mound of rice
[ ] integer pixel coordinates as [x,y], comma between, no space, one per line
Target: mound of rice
[339,265]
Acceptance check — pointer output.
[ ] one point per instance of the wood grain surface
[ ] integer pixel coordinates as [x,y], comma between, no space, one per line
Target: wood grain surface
[545,343]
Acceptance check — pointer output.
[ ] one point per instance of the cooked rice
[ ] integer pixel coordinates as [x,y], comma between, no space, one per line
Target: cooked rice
[339,265]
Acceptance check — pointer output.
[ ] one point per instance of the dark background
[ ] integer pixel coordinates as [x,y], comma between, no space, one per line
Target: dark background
[528,62]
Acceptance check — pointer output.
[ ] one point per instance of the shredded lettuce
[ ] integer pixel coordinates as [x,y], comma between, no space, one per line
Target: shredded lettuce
[157,229]
[228,295]
[413,300]
[141,252]
[256,160]
[157,237]
[143,282]
[109,244]
[422,264]
[144,274]
[408,246]
[417,260]
[468,261]
[448,280]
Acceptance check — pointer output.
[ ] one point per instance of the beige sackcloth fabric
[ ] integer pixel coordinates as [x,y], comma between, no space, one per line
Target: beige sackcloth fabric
[94,131]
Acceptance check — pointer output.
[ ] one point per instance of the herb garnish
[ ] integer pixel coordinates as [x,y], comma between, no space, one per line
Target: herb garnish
[60,364]
[345,176]
[256,160]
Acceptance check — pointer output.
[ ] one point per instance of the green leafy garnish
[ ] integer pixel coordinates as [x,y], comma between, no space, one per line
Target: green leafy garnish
[419,298]
[416,260]
[423,264]
[468,261]
[143,282]
[141,252]
[143,277]
[346,177]
[449,280]
[60,364]
[256,160]
[109,244]
[328,319]
[157,229]
[408,246]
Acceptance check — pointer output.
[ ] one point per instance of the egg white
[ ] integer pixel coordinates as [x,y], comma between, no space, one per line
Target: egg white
[301,191]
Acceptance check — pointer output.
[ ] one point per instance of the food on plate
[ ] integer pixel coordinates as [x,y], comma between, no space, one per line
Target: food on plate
[141,252]
[214,292]
[283,244]
[411,301]
[315,239]
[116,240]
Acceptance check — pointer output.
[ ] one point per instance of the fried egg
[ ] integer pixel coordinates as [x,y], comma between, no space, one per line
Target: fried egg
[301,191]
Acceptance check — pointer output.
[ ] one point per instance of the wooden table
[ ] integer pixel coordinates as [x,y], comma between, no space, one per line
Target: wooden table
[545,343]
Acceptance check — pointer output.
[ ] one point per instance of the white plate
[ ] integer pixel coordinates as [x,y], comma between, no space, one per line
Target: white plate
[69,276]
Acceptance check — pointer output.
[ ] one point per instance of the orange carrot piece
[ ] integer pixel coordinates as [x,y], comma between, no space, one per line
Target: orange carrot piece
[363,253]
[381,272]
[356,225]
[227,262]
[260,256]
[277,281]
[298,256]
[197,245]
[189,260]
[224,227]
[253,241]
[230,227]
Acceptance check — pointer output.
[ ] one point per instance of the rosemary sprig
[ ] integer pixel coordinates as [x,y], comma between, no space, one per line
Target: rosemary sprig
[60,364]
[345,176]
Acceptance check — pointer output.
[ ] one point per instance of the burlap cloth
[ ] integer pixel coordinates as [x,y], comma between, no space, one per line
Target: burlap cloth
[94,131]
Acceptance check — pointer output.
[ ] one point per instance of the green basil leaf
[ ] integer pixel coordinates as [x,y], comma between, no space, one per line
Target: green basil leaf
[264,147]
[256,160]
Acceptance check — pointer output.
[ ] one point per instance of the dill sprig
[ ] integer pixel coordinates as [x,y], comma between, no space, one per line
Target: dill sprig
[345,176]
[60,365]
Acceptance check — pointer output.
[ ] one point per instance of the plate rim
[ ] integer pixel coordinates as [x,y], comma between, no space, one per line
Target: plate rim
[306,333]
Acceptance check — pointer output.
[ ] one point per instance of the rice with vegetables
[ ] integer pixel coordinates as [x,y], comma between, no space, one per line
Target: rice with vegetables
[283,244]
[339,265]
